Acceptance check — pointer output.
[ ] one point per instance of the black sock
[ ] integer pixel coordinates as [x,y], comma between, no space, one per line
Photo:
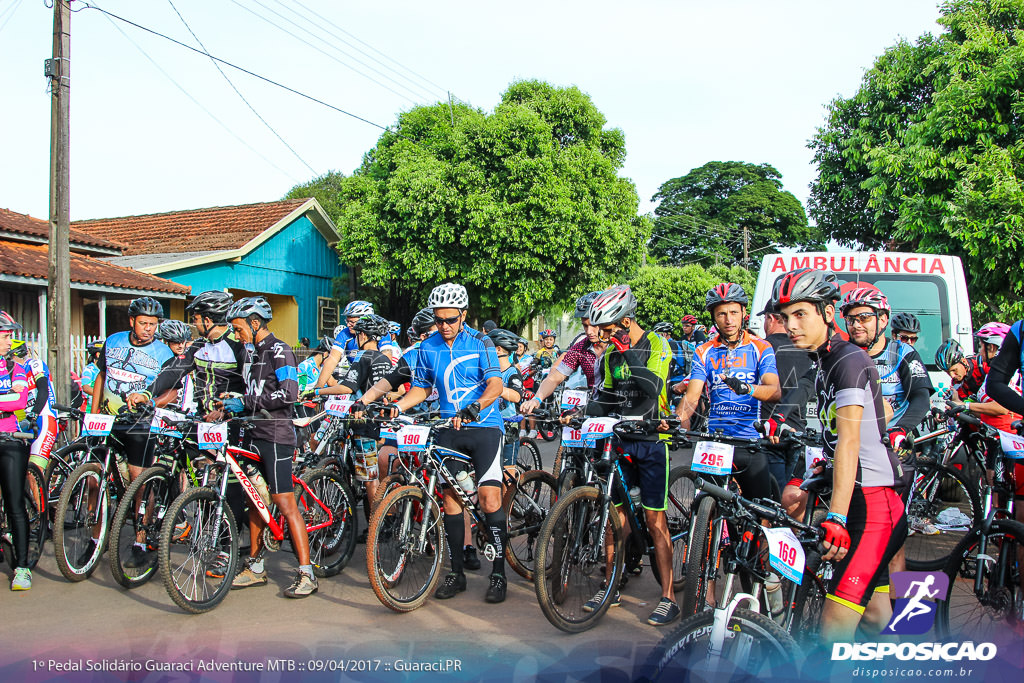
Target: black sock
[455,531]
[497,524]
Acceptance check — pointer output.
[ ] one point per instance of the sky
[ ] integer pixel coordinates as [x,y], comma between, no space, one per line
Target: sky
[155,127]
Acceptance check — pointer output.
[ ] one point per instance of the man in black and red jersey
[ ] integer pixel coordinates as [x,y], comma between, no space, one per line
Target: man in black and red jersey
[867,523]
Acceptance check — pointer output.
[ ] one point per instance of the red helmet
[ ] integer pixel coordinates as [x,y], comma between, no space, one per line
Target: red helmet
[8,323]
[807,284]
[689,320]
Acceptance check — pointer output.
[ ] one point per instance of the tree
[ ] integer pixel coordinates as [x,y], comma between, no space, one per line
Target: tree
[667,293]
[326,189]
[701,216]
[929,154]
[524,205]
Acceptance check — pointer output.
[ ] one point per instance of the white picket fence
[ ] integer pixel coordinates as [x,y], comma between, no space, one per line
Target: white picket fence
[37,344]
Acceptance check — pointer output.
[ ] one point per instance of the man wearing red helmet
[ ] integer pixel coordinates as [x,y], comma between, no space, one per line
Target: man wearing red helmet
[688,325]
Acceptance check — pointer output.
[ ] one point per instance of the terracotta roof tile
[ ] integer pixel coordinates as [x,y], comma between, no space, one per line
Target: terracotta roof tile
[23,224]
[30,260]
[213,229]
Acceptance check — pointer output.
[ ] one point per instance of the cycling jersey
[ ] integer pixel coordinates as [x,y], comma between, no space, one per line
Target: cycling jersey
[751,359]
[41,403]
[546,357]
[308,373]
[128,368]
[345,342]
[271,384]
[39,377]
[14,390]
[903,374]
[580,355]
[510,379]
[367,368]
[216,367]
[459,373]
[1004,366]
[88,379]
[635,382]
[975,387]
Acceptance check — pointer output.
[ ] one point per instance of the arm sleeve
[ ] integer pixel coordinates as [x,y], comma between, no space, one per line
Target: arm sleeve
[1001,371]
[42,393]
[915,378]
[918,403]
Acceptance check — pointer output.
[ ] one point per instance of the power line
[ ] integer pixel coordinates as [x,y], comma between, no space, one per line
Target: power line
[11,11]
[239,93]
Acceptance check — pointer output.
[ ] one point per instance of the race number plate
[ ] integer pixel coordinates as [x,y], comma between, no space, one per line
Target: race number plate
[159,426]
[1013,445]
[572,438]
[339,405]
[413,439]
[813,454]
[213,436]
[597,428]
[711,457]
[785,554]
[98,425]
[572,399]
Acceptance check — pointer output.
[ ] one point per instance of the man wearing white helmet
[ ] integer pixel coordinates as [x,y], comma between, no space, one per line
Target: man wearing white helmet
[462,365]
[344,339]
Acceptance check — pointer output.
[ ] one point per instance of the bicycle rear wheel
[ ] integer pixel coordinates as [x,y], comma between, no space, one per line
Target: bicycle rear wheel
[527,505]
[571,547]
[701,567]
[77,555]
[938,490]
[331,547]
[137,520]
[402,574]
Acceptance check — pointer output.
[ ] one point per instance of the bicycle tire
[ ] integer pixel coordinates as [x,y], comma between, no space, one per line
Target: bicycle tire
[187,529]
[528,457]
[570,535]
[331,547]
[527,504]
[155,486]
[679,511]
[992,617]
[699,563]
[809,603]
[556,465]
[59,469]
[392,561]
[71,517]
[931,485]
[683,652]
[387,485]
[35,507]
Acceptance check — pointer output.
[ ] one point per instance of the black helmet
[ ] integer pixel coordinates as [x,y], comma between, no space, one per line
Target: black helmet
[905,322]
[250,305]
[949,354]
[663,328]
[94,349]
[145,305]
[814,286]
[504,339]
[372,325]
[173,331]
[423,320]
[725,293]
[325,345]
[583,305]
[213,304]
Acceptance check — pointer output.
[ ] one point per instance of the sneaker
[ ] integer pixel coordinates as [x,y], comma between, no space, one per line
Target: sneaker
[453,585]
[469,559]
[86,556]
[665,613]
[303,586]
[138,557]
[533,434]
[22,580]
[219,566]
[595,602]
[496,591]
[247,577]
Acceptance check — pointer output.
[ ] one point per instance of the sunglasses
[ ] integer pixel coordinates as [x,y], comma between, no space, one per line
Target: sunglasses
[861,318]
[907,338]
[446,321]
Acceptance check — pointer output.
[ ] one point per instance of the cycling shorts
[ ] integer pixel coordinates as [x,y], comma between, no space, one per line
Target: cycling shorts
[877,522]
[43,444]
[137,446]
[275,463]
[750,470]
[482,444]
[648,470]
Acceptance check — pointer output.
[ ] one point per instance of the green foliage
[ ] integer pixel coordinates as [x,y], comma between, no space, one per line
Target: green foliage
[701,216]
[524,205]
[326,189]
[667,293]
[929,154]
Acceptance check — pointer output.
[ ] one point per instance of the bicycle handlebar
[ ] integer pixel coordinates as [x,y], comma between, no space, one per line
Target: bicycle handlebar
[769,510]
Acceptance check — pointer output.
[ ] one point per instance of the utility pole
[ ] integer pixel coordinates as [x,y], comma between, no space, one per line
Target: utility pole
[746,247]
[58,300]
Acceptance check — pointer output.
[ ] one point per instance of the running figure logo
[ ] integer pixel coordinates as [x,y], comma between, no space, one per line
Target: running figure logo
[916,593]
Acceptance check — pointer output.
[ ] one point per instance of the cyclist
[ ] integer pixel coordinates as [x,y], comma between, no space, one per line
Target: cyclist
[682,359]
[89,372]
[635,369]
[14,391]
[739,370]
[344,339]
[692,332]
[39,411]
[505,344]
[867,523]
[178,337]
[970,375]
[309,369]
[461,364]
[548,351]
[271,386]
[906,328]
[990,338]
[1003,385]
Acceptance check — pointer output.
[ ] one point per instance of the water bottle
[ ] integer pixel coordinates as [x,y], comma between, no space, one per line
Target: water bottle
[773,591]
[466,482]
[634,494]
[122,468]
[256,477]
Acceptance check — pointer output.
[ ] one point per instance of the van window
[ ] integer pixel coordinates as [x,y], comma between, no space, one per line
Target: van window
[923,296]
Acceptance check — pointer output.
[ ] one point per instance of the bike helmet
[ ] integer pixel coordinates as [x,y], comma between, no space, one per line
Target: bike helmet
[213,304]
[94,350]
[173,331]
[583,305]
[394,328]
[547,333]
[663,328]
[725,293]
[325,345]
[7,323]
[145,305]
[372,326]
[814,286]
[19,349]
[423,321]
[993,333]
[949,354]
[448,295]
[864,296]
[689,320]
[355,309]
[504,339]
[250,305]
[612,305]
[905,322]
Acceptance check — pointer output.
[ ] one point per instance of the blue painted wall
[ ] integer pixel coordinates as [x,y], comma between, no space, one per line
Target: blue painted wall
[297,262]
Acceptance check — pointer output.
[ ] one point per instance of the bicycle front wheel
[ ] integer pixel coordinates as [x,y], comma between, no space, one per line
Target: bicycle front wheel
[137,523]
[83,510]
[527,505]
[198,550]
[403,572]
[681,493]
[331,546]
[701,566]
[572,547]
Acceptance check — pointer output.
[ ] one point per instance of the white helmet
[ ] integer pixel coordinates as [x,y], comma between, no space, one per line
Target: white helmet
[612,305]
[356,309]
[448,295]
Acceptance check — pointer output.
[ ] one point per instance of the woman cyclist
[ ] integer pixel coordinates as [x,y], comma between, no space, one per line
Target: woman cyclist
[14,389]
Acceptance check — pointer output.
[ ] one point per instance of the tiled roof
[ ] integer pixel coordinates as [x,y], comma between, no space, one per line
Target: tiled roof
[213,229]
[30,260]
[23,224]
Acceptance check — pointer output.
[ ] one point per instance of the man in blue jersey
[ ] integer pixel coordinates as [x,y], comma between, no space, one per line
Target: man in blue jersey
[461,364]
[345,344]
